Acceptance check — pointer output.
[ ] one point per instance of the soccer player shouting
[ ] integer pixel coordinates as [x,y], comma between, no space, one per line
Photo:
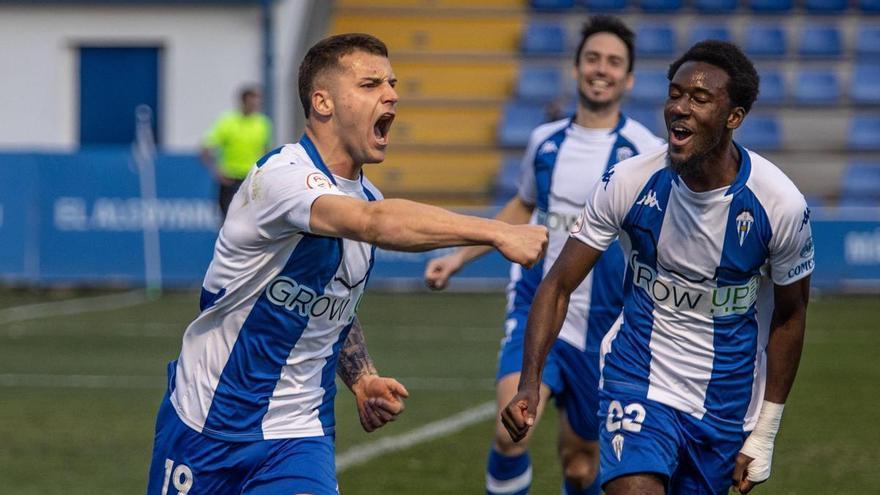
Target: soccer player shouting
[249,406]
[562,162]
[719,253]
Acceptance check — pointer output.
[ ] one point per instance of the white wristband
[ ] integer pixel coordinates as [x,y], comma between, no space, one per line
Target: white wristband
[759,444]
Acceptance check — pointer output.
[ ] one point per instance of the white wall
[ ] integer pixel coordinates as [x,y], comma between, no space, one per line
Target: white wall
[209,53]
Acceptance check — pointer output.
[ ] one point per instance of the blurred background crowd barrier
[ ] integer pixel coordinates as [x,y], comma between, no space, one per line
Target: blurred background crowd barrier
[80,205]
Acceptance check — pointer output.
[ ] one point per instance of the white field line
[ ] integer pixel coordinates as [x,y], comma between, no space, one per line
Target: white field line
[360,454]
[71,306]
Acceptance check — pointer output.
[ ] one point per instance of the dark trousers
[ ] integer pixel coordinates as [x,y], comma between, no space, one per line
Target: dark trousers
[226,194]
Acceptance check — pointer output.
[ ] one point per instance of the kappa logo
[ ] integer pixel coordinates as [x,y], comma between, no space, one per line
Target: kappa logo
[606,177]
[624,152]
[805,220]
[744,221]
[650,200]
[317,180]
[617,444]
[548,147]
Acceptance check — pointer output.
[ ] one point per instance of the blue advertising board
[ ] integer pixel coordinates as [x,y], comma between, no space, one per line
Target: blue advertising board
[79,219]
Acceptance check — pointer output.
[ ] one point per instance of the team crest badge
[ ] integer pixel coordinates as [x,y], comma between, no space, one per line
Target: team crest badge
[617,445]
[624,152]
[744,221]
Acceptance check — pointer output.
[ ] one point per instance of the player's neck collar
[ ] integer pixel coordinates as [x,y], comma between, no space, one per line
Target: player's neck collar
[312,151]
[742,175]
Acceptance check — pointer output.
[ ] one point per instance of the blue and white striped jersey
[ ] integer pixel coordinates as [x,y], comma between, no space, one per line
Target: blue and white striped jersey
[562,163]
[698,292]
[278,301]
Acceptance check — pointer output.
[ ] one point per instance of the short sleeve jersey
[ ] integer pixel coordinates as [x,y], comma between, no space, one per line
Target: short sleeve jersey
[698,291]
[561,164]
[278,301]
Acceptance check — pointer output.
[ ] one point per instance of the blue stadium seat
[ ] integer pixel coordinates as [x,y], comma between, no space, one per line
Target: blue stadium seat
[648,115]
[772,91]
[702,32]
[861,180]
[551,4]
[868,42]
[817,87]
[765,40]
[660,5]
[857,202]
[651,86]
[543,38]
[507,180]
[864,133]
[517,121]
[760,132]
[655,40]
[820,40]
[870,6]
[771,6]
[825,6]
[716,6]
[604,5]
[865,86]
[538,83]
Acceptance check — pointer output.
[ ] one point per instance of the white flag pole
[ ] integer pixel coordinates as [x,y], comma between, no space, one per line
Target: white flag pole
[144,153]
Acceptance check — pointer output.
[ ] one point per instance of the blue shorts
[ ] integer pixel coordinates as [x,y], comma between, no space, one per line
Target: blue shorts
[188,462]
[643,436]
[571,374]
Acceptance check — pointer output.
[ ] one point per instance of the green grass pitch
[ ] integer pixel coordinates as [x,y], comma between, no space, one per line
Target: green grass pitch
[78,397]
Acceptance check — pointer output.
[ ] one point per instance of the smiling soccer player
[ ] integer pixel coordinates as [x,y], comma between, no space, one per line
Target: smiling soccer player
[720,252]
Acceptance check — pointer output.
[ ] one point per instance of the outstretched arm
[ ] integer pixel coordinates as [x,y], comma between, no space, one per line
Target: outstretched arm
[783,357]
[545,319]
[439,270]
[409,226]
[379,400]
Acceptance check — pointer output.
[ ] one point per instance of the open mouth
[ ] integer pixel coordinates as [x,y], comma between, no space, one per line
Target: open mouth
[382,126]
[679,135]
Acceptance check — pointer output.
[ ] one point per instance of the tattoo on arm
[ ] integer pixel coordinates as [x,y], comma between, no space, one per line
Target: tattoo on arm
[354,360]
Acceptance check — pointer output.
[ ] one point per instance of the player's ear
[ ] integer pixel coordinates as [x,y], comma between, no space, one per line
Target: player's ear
[322,103]
[735,117]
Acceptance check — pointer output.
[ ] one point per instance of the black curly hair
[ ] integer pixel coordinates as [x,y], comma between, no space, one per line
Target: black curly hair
[744,81]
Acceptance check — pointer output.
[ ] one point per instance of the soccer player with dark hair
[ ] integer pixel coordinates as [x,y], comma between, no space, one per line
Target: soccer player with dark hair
[562,162]
[719,255]
[249,406]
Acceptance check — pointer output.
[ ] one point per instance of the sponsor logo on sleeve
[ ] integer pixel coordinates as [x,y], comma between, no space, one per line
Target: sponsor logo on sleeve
[805,266]
[807,249]
[317,180]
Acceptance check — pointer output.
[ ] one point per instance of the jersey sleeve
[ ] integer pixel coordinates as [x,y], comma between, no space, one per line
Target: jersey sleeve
[599,223]
[791,246]
[281,197]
